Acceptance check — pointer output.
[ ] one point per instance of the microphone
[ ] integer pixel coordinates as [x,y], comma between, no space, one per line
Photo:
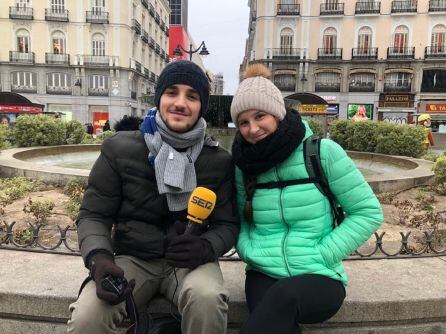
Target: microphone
[200,205]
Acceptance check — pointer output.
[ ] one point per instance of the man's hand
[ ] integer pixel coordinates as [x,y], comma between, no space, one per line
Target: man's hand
[189,251]
[101,266]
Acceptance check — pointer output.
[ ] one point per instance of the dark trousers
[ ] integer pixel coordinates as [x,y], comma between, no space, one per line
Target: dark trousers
[278,306]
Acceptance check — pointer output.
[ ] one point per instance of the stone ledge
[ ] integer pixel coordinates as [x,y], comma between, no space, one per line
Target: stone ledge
[384,296]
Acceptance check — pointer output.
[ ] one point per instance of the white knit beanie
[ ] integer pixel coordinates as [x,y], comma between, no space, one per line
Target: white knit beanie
[257,92]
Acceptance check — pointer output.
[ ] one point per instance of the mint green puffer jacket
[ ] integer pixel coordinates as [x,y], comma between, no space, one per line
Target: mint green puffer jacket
[292,230]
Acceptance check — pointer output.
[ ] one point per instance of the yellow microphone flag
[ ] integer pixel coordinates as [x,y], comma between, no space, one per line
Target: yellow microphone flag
[201,203]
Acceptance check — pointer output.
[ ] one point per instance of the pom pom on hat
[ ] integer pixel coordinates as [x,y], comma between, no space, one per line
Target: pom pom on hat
[257,92]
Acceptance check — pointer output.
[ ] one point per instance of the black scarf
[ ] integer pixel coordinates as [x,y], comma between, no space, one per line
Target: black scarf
[254,159]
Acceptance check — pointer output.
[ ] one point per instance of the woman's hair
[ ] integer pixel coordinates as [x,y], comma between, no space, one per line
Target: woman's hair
[250,188]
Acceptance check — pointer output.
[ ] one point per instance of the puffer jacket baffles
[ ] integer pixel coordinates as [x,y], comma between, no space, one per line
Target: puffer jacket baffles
[122,193]
[292,231]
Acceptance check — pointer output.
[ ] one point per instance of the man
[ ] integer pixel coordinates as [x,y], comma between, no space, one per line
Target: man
[140,186]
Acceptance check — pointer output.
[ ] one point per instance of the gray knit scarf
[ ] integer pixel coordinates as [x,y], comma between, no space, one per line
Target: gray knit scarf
[173,156]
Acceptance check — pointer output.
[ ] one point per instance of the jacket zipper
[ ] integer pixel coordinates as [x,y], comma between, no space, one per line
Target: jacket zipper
[286,224]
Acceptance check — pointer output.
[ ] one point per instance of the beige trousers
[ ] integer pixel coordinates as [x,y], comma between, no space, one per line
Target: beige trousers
[199,295]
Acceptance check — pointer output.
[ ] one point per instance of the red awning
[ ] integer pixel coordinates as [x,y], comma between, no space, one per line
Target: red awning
[19,110]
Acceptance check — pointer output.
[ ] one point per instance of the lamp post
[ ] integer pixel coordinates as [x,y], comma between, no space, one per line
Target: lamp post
[179,50]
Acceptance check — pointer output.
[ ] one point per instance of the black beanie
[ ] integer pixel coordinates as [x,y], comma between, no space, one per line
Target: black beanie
[186,73]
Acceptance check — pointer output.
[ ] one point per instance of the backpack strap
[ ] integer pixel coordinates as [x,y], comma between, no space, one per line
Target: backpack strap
[315,171]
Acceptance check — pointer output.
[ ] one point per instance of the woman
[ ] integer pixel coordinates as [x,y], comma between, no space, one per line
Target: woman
[293,253]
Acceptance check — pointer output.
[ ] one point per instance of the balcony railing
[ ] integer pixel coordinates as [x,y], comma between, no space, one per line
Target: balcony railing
[97,17]
[284,53]
[332,9]
[145,3]
[396,88]
[152,43]
[157,48]
[136,26]
[59,90]
[327,87]
[59,15]
[163,25]
[153,77]
[146,73]
[23,89]
[57,59]
[98,91]
[404,6]
[157,18]
[151,10]
[368,7]
[400,53]
[21,57]
[365,53]
[435,52]
[288,9]
[167,31]
[145,36]
[437,5]
[362,87]
[90,60]
[329,53]
[21,13]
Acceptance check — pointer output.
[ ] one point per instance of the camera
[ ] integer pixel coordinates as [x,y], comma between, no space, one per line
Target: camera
[114,284]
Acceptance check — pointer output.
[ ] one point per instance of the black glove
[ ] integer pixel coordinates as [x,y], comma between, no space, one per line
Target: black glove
[101,266]
[175,230]
[189,251]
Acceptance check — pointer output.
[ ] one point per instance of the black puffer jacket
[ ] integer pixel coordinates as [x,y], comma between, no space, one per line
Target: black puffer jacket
[122,192]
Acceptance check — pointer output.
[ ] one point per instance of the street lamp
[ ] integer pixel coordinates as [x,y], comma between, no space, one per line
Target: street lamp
[179,50]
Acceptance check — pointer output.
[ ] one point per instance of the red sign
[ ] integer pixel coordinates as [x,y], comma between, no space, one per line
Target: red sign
[19,110]
[436,108]
[178,36]
[99,119]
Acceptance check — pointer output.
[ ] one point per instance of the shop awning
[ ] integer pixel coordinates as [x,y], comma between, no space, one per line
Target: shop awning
[12,103]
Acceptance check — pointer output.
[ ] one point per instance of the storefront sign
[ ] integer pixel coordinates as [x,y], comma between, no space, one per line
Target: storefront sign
[313,109]
[19,109]
[436,108]
[329,98]
[396,100]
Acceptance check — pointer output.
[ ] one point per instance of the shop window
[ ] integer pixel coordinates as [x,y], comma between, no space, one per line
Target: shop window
[434,80]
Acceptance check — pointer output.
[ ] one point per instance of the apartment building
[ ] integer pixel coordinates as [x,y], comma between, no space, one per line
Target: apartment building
[219,83]
[91,60]
[387,56]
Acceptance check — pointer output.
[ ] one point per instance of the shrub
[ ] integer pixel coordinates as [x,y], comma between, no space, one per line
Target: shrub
[38,130]
[363,137]
[338,132]
[4,137]
[439,170]
[104,135]
[15,188]
[431,156]
[74,132]
[316,126]
[40,209]
[74,189]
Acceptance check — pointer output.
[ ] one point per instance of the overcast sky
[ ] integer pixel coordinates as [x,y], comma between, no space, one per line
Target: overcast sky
[223,25]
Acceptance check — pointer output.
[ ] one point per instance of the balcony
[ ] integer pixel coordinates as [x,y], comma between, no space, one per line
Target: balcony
[368,7]
[90,60]
[437,5]
[288,9]
[362,87]
[98,91]
[434,52]
[163,25]
[397,88]
[57,59]
[145,36]
[400,53]
[329,54]
[21,13]
[152,43]
[365,54]
[151,10]
[332,9]
[145,3]
[327,87]
[100,17]
[146,73]
[23,89]
[284,53]
[404,6]
[59,90]
[136,26]
[58,15]
[167,31]
[152,77]
[21,57]
[158,18]
[157,49]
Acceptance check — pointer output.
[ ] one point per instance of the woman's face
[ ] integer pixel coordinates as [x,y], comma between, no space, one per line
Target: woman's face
[255,125]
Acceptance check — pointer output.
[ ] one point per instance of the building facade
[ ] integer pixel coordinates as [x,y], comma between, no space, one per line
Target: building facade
[92,60]
[218,84]
[385,56]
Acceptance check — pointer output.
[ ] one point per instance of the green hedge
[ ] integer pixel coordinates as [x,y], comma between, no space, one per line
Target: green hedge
[379,137]
[4,136]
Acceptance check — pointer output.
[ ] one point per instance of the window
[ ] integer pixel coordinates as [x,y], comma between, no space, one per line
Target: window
[328,82]
[57,6]
[438,38]
[98,45]
[58,80]
[331,4]
[364,38]
[97,6]
[58,42]
[175,14]
[23,79]
[285,82]
[23,41]
[329,40]
[400,38]
[398,80]
[362,82]
[98,81]
[23,3]
[286,41]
